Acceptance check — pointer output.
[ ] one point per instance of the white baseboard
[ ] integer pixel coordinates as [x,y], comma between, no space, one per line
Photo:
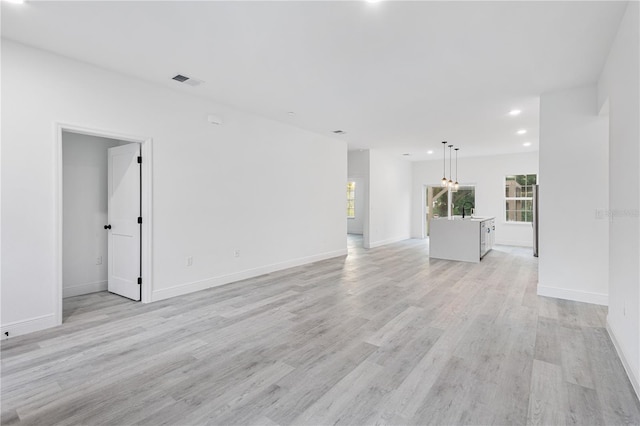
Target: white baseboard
[80,289]
[191,287]
[635,381]
[30,325]
[514,243]
[388,241]
[577,296]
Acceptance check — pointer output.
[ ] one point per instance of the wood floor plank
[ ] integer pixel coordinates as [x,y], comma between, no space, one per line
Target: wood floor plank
[211,410]
[305,385]
[331,406]
[547,344]
[614,390]
[384,336]
[575,361]
[547,401]
[453,399]
[583,406]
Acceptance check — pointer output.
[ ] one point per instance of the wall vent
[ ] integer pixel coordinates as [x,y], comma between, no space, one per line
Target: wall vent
[187,80]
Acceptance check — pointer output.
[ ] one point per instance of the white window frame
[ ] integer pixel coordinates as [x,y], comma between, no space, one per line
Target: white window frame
[504,207]
[351,199]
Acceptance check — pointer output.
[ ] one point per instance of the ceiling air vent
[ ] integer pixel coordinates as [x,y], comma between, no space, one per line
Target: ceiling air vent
[187,80]
[339,132]
[180,78]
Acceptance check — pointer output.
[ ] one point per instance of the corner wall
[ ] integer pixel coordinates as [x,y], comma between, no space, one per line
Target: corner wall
[272,191]
[619,85]
[389,199]
[573,230]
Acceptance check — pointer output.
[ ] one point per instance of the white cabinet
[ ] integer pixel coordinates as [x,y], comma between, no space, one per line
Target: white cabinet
[487,236]
[467,240]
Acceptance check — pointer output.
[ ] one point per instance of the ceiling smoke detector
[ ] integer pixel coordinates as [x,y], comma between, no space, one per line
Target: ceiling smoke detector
[187,80]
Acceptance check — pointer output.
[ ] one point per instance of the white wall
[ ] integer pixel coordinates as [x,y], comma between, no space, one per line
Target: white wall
[619,84]
[573,251]
[389,199]
[272,191]
[84,162]
[358,172]
[487,174]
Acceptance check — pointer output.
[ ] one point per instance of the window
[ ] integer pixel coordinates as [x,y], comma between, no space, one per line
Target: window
[464,197]
[519,198]
[351,200]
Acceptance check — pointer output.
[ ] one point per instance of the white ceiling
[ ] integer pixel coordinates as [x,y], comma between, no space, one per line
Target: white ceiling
[399,76]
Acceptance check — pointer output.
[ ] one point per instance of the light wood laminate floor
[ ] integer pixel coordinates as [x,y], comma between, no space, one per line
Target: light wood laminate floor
[384,336]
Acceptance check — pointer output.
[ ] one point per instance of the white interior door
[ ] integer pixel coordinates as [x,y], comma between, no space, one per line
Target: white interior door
[123,226]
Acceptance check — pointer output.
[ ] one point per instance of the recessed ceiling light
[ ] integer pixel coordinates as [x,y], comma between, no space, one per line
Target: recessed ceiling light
[406,155]
[373,1]
[291,113]
[526,144]
[514,112]
[521,132]
[430,152]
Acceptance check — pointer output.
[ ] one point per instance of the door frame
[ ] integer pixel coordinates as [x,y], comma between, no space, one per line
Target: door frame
[146,151]
[423,208]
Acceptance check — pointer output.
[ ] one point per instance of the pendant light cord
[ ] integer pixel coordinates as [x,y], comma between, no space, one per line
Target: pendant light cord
[450,161]
[444,158]
[457,163]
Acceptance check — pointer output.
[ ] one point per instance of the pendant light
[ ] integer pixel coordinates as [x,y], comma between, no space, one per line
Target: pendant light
[443,182]
[450,183]
[456,185]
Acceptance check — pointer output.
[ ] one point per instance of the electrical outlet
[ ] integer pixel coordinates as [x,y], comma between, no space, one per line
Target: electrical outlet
[190,261]
[236,253]
[99,260]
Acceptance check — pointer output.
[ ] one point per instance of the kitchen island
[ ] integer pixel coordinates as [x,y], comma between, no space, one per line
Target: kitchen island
[466,240]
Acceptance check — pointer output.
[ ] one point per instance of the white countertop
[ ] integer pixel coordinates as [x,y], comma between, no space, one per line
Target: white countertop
[466,219]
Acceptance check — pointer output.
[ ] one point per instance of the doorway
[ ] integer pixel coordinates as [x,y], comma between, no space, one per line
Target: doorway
[356,198]
[101,183]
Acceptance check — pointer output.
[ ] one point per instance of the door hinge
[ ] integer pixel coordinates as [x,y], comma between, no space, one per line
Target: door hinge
[139,160]
[139,280]
[139,219]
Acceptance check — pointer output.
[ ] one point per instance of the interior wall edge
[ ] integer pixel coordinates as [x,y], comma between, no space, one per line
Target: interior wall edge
[627,367]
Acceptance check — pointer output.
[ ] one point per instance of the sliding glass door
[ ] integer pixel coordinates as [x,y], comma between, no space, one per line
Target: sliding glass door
[437,202]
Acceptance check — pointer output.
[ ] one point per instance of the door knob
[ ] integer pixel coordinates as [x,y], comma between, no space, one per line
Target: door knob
[107,227]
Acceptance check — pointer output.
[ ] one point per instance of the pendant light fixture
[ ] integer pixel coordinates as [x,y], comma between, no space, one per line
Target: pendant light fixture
[456,185]
[443,182]
[450,183]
